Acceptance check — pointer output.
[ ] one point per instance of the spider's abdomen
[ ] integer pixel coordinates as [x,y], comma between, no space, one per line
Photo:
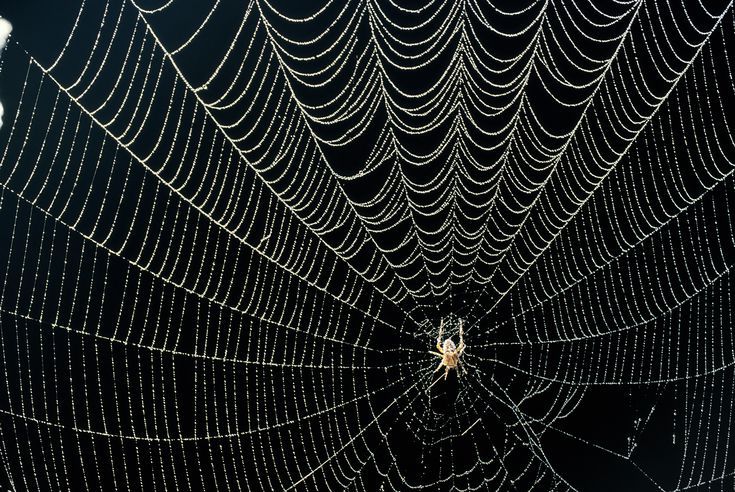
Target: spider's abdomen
[449,345]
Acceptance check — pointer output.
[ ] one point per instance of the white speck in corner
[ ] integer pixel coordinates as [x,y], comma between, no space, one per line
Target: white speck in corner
[5,29]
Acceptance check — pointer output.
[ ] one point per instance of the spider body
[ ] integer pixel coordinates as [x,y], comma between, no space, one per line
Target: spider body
[448,351]
[448,346]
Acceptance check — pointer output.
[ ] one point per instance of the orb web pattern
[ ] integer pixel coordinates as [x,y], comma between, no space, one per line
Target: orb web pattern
[233,230]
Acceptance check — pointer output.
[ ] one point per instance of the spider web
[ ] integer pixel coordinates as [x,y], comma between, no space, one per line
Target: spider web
[231,232]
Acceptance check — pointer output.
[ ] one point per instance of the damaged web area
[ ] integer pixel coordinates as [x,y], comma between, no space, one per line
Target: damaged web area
[231,231]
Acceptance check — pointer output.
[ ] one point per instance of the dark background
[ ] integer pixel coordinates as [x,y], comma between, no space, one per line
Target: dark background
[655,423]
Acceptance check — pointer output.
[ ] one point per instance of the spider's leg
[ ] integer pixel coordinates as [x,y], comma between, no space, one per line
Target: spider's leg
[439,366]
[446,372]
[439,346]
[435,353]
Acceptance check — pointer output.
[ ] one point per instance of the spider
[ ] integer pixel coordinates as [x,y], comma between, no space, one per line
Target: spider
[449,352]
